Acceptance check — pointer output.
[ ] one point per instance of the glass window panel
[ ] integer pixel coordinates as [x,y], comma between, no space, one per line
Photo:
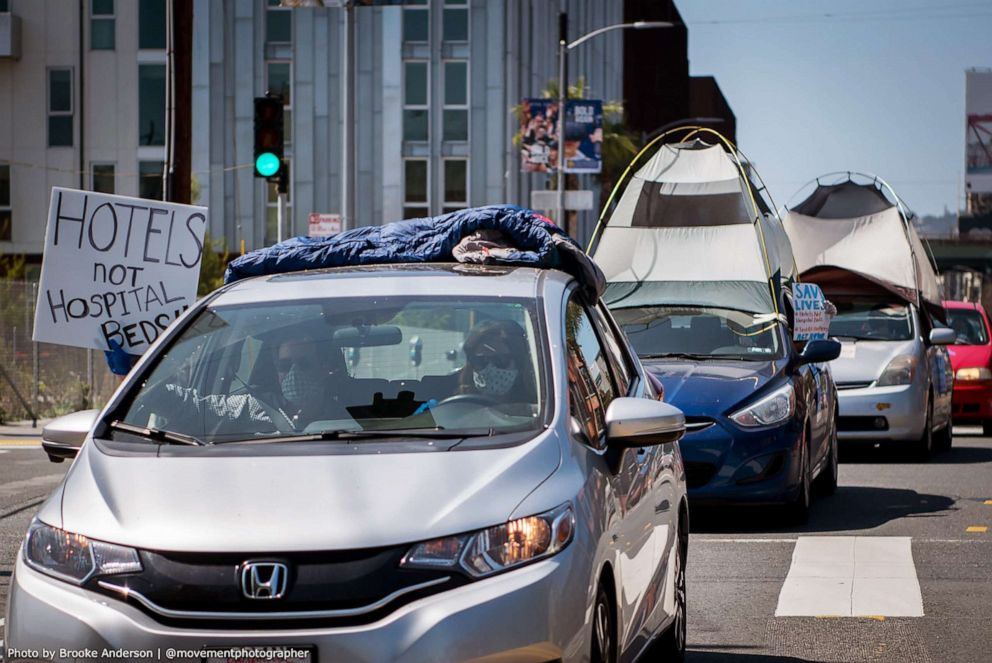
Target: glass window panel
[103,7]
[151,24]
[455,189]
[60,131]
[416,25]
[150,180]
[415,125]
[455,25]
[6,219]
[103,178]
[415,83]
[591,388]
[415,212]
[271,224]
[60,90]
[4,186]
[151,104]
[279,26]
[456,125]
[415,181]
[456,83]
[287,126]
[4,7]
[414,2]
[272,192]
[448,209]
[279,80]
[102,34]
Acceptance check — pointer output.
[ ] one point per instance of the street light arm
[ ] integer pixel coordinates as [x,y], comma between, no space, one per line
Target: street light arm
[636,25]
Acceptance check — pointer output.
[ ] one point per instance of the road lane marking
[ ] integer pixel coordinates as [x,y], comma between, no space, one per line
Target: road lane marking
[851,576]
[979,529]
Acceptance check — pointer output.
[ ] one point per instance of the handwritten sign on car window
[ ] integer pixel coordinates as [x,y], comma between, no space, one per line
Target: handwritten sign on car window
[811,319]
[116,267]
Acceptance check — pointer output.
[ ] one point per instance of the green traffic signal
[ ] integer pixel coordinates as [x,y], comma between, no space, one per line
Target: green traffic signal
[267,164]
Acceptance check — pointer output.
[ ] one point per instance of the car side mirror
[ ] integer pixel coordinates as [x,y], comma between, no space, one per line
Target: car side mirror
[817,352]
[63,437]
[642,422]
[942,336]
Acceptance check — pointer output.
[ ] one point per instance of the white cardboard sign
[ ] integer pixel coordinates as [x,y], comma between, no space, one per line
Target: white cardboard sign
[811,320]
[116,267]
[323,225]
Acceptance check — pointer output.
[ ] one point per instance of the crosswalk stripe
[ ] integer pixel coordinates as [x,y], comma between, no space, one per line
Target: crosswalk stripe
[851,576]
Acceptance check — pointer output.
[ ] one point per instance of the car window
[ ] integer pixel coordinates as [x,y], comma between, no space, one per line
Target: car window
[968,325]
[591,388]
[276,368]
[872,319]
[618,358]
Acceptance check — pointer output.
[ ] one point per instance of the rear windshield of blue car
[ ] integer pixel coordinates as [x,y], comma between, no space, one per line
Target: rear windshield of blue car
[968,325]
[871,320]
[663,331]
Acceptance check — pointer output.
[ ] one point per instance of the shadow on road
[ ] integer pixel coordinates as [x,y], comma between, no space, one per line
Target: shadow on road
[713,656]
[960,453]
[850,508]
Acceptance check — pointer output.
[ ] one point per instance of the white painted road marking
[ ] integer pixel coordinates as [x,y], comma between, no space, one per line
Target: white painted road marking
[851,576]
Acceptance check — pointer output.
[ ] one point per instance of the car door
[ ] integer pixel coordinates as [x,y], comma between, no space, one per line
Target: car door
[593,388]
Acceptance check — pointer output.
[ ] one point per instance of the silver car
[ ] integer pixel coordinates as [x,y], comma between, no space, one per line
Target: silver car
[893,377]
[395,463]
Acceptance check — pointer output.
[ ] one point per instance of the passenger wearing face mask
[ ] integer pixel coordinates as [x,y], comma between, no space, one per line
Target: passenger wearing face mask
[498,364]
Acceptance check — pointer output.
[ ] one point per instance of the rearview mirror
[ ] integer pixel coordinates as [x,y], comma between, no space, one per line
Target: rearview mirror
[942,336]
[642,422]
[817,352]
[365,337]
[63,437]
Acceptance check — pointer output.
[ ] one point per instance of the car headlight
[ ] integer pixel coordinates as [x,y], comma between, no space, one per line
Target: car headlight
[973,374]
[73,557]
[498,548]
[772,409]
[899,371]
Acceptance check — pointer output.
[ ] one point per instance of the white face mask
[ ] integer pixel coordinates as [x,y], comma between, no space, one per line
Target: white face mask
[298,385]
[495,381]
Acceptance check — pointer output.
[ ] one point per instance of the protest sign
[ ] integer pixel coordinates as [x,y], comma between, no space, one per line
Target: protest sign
[116,267]
[811,320]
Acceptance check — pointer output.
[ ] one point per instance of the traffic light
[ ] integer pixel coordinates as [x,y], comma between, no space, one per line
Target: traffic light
[268,136]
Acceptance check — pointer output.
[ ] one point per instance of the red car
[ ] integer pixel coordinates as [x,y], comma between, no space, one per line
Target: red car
[971,359]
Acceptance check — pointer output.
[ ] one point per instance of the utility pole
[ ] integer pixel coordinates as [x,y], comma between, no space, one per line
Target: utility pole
[348,119]
[182,31]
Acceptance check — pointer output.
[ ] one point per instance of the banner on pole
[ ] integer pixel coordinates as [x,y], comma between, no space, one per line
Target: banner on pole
[117,268]
[584,136]
[539,136]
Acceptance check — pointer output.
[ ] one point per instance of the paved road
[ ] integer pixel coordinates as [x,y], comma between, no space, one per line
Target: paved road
[739,563]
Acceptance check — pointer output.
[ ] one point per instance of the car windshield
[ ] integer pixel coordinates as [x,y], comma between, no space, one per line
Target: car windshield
[657,331]
[871,319]
[968,325]
[320,367]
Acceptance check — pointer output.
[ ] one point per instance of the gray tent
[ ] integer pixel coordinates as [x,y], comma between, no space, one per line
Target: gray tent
[692,229]
[846,234]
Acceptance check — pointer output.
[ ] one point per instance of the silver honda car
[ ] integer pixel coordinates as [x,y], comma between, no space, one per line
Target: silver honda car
[388,463]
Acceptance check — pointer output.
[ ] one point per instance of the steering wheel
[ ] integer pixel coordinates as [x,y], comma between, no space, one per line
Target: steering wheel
[480,399]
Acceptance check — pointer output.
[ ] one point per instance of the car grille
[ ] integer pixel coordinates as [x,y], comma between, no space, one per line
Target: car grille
[324,588]
[698,474]
[841,386]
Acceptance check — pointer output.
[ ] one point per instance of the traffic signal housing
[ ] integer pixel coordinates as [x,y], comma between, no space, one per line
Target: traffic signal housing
[268,136]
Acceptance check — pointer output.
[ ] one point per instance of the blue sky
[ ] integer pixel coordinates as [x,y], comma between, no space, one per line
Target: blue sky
[825,85]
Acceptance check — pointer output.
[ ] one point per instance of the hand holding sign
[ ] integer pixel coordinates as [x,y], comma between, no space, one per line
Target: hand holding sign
[116,268]
[812,321]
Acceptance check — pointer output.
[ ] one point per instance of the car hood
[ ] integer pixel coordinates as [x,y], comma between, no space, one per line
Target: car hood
[298,503]
[970,356]
[711,386]
[864,361]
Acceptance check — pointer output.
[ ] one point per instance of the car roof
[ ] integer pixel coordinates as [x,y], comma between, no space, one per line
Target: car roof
[452,279]
[956,304]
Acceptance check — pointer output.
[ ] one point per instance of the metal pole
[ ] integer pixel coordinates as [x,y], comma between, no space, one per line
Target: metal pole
[280,215]
[169,103]
[562,84]
[348,120]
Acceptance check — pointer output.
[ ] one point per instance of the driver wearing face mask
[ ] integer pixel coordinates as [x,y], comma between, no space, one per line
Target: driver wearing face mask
[498,363]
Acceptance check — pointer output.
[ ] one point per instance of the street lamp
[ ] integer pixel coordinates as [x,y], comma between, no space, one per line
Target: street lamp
[563,48]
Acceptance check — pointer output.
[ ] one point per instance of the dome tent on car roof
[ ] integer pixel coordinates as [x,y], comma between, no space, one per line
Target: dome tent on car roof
[852,229]
[692,228]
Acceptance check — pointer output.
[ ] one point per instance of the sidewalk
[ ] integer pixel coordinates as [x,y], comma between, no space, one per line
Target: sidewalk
[22,428]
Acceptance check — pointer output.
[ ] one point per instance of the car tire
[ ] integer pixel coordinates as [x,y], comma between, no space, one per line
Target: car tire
[987,428]
[797,511]
[828,478]
[944,438]
[924,446]
[670,646]
[604,628]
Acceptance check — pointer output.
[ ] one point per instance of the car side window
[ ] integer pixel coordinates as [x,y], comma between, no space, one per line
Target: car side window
[618,358]
[591,388]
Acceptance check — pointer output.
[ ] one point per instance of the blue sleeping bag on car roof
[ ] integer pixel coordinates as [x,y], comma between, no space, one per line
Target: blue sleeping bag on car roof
[532,240]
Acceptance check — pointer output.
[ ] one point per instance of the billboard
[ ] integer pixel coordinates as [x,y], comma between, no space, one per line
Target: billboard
[583,136]
[539,136]
[978,139]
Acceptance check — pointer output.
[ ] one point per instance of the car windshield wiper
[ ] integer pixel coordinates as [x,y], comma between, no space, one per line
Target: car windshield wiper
[677,355]
[385,433]
[158,434]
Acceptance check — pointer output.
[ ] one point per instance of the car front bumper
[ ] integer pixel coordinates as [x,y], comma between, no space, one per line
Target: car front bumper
[533,614]
[881,413]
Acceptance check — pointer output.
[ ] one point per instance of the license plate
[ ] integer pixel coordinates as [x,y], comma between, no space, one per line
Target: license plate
[263,654]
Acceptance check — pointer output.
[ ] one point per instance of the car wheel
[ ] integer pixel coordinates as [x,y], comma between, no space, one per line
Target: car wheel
[671,644]
[797,512]
[944,439]
[603,627]
[925,445]
[828,479]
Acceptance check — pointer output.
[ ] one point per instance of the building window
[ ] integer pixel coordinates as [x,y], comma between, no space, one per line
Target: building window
[151,104]
[279,80]
[456,100]
[455,20]
[416,21]
[416,201]
[416,105]
[278,23]
[102,25]
[272,213]
[102,177]
[455,184]
[150,179]
[151,24]
[60,108]
[4,7]
[6,217]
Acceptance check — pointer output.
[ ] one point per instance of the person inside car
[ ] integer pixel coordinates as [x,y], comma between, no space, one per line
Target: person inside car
[498,366]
